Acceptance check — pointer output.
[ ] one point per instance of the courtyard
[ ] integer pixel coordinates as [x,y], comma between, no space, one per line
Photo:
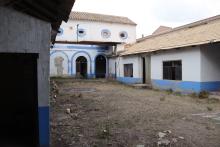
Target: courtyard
[101,113]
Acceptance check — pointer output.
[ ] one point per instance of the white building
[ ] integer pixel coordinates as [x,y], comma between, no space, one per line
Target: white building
[184,59]
[85,42]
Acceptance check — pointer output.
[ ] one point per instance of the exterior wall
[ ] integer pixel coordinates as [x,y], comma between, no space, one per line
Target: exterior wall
[21,33]
[112,68]
[137,72]
[93,32]
[70,52]
[191,70]
[210,67]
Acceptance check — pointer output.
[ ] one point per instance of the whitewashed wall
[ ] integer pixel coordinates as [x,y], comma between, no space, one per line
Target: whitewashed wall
[210,63]
[93,31]
[191,65]
[135,60]
[70,52]
[111,65]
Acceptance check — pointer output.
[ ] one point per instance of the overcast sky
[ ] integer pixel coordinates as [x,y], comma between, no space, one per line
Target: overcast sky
[150,14]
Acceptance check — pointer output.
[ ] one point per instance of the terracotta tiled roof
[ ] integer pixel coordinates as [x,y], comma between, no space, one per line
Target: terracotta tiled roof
[161,29]
[197,33]
[100,18]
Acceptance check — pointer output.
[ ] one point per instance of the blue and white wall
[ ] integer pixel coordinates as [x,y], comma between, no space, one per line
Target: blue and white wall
[120,61]
[200,69]
[26,34]
[210,67]
[69,54]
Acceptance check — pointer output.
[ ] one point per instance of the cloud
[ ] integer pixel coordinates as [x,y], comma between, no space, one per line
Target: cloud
[177,11]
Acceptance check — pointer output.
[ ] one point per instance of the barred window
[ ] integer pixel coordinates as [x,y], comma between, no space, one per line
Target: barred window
[128,70]
[172,70]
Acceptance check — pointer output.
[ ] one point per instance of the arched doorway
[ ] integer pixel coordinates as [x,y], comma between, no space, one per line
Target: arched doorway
[100,66]
[81,67]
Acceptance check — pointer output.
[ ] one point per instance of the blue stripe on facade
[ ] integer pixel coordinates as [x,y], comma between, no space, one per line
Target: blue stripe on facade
[44,133]
[129,80]
[80,47]
[186,86]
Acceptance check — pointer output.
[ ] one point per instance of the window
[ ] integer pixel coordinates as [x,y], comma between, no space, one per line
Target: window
[60,32]
[172,70]
[81,32]
[128,70]
[123,35]
[105,33]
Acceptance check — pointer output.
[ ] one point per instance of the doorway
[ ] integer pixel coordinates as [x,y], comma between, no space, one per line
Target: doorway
[81,67]
[19,100]
[143,70]
[100,66]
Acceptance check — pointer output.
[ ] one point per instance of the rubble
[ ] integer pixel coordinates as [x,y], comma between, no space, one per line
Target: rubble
[161,134]
[68,111]
[163,142]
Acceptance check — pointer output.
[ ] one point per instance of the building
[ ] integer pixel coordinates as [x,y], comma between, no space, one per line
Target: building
[84,44]
[184,59]
[26,31]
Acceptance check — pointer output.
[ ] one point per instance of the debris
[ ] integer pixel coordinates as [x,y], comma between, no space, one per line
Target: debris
[167,131]
[80,135]
[180,137]
[174,140]
[68,111]
[163,142]
[140,146]
[161,134]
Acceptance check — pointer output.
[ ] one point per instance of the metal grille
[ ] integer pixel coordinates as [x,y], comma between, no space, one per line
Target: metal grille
[172,70]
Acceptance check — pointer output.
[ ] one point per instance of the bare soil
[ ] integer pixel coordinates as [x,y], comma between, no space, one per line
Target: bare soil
[109,114]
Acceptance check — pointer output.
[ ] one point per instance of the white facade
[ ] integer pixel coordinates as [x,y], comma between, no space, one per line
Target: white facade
[93,32]
[191,65]
[210,63]
[116,66]
[70,40]
[200,68]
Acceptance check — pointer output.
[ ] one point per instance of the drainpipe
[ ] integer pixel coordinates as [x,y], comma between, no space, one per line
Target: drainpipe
[77,29]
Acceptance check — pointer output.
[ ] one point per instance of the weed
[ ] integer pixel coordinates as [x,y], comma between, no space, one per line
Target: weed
[203,94]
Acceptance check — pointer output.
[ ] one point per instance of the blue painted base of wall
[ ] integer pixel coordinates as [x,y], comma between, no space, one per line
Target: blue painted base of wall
[129,80]
[185,86]
[44,133]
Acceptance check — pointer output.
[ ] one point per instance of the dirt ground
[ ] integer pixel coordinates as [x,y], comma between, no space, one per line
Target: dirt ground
[100,113]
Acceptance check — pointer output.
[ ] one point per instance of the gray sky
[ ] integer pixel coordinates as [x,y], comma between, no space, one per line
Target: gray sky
[150,14]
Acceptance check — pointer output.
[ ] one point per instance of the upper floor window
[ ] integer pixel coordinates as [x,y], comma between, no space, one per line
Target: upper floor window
[172,70]
[105,33]
[123,35]
[60,32]
[81,32]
